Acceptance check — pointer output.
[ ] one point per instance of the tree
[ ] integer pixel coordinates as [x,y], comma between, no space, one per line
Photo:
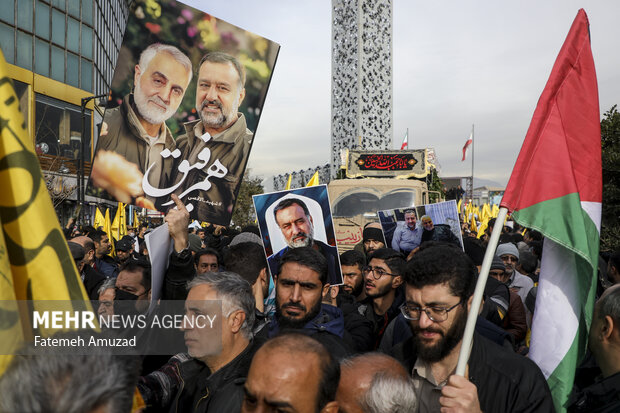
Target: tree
[244,213]
[435,184]
[610,145]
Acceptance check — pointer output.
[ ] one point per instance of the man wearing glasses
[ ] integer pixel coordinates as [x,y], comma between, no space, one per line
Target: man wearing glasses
[440,282]
[383,282]
[517,282]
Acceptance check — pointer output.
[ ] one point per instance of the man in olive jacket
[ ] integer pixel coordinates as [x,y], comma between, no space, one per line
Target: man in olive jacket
[137,128]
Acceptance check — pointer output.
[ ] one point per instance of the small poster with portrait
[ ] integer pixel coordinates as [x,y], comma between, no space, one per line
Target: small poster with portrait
[298,218]
[185,103]
[405,229]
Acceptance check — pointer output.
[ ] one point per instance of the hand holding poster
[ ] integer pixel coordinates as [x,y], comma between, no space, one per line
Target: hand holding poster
[186,99]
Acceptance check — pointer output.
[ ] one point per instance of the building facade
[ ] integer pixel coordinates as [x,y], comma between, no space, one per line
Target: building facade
[361,76]
[58,52]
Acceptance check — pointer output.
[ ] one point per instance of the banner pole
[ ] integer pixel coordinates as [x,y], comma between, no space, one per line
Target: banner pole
[478,292]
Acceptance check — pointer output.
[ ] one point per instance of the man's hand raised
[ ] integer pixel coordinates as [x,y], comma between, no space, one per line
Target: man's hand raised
[178,221]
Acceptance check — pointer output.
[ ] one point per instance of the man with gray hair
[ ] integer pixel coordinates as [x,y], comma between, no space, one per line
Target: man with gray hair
[375,383]
[208,379]
[53,380]
[223,132]
[137,129]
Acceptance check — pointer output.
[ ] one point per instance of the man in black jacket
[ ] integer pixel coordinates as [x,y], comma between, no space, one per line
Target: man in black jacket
[300,286]
[383,279]
[603,396]
[209,378]
[439,286]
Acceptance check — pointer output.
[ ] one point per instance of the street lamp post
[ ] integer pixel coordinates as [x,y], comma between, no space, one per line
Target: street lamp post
[81,195]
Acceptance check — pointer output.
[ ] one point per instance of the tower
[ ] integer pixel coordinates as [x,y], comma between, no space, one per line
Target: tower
[361,76]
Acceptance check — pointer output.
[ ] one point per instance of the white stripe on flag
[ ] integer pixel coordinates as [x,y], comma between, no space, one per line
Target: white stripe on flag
[556,317]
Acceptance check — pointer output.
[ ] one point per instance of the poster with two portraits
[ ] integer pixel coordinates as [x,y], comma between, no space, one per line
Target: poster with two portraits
[185,102]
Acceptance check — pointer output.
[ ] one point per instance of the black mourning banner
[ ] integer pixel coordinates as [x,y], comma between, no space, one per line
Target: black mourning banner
[386,162]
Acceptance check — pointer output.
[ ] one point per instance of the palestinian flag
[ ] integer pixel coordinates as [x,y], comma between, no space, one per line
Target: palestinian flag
[556,188]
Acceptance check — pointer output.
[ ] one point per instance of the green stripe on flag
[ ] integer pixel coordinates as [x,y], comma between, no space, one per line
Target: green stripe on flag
[564,221]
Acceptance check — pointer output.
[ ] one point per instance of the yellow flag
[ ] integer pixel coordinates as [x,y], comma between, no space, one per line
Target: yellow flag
[472,225]
[314,181]
[35,262]
[136,223]
[107,228]
[495,211]
[486,212]
[99,219]
[122,227]
[483,227]
[468,210]
[119,225]
[458,206]
[288,183]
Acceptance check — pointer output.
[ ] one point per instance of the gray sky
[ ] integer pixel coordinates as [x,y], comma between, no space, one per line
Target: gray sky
[456,63]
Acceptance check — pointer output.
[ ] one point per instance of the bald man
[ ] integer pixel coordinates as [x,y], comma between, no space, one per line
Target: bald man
[292,372]
[373,383]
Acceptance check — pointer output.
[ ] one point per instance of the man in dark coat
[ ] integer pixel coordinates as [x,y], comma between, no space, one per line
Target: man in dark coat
[300,286]
[603,396]
[209,378]
[440,282]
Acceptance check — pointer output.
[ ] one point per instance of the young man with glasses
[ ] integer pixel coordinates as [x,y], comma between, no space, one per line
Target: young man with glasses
[440,282]
[383,282]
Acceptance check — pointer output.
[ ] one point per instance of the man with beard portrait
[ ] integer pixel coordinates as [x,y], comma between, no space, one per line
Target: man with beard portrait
[219,140]
[294,220]
[137,128]
[440,282]
[300,286]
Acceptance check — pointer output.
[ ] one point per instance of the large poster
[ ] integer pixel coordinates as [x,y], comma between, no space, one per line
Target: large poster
[186,99]
[298,218]
[405,229]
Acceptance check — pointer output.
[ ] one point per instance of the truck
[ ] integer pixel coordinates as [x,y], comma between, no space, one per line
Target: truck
[374,181]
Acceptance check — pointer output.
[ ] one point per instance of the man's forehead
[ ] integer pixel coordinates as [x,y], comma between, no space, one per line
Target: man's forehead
[163,62]
[292,369]
[207,257]
[351,268]
[202,292]
[378,262]
[127,275]
[297,272]
[429,293]
[291,212]
[218,71]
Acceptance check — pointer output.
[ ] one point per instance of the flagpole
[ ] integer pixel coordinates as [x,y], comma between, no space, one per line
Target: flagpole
[472,161]
[478,292]
[407,135]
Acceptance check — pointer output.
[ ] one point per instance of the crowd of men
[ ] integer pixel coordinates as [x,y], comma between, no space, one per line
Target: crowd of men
[386,340]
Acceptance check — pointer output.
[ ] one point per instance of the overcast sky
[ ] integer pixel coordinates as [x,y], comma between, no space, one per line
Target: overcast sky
[456,63]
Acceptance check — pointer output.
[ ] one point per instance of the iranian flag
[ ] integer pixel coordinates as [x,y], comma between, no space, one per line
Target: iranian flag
[556,188]
[468,142]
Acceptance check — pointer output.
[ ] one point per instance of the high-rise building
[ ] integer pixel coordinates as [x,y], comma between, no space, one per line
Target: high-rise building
[361,76]
[58,52]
